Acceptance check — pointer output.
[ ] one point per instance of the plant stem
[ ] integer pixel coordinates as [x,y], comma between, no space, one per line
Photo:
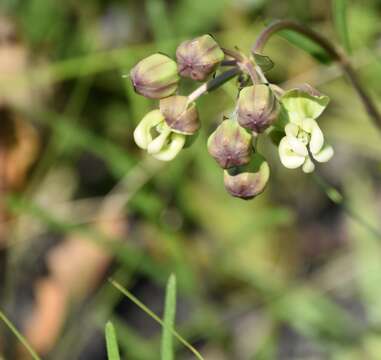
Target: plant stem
[244,63]
[334,52]
[213,84]
[18,335]
[336,197]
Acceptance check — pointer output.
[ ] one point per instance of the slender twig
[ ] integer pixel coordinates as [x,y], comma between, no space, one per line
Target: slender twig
[334,52]
[21,338]
[213,84]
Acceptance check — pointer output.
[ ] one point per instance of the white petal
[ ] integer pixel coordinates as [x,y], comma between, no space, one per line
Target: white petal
[159,142]
[308,125]
[291,129]
[288,158]
[297,146]
[325,154]
[169,152]
[308,166]
[142,133]
[317,139]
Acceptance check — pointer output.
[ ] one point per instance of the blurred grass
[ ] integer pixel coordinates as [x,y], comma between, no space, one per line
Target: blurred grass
[19,336]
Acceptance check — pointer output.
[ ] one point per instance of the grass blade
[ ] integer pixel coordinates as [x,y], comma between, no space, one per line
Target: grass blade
[150,313]
[169,320]
[111,342]
[339,12]
[18,335]
[159,20]
[307,45]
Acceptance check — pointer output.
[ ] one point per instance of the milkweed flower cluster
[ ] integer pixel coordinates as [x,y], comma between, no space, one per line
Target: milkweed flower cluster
[262,109]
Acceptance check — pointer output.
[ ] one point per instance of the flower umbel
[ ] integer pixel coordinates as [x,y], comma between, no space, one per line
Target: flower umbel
[304,140]
[262,110]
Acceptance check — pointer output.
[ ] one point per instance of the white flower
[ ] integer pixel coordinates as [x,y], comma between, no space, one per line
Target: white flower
[295,148]
[155,136]
[304,137]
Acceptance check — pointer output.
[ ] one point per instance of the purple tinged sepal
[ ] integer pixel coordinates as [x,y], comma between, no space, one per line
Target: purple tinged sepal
[230,144]
[155,76]
[248,181]
[258,107]
[199,57]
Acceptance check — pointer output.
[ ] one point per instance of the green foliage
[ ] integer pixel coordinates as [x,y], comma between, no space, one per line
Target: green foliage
[111,342]
[169,320]
[150,313]
[339,10]
[307,45]
[249,273]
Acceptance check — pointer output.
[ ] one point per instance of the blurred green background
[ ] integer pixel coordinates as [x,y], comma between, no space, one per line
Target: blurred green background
[288,275]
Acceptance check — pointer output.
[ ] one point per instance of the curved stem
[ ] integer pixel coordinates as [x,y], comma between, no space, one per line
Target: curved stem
[244,64]
[334,52]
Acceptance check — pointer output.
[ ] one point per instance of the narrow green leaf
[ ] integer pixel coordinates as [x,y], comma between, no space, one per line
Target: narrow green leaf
[157,13]
[339,12]
[307,45]
[18,335]
[169,320]
[150,313]
[111,342]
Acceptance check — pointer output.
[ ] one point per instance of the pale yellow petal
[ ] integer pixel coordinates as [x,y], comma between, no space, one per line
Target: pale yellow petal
[142,133]
[288,157]
[170,151]
[325,154]
[308,166]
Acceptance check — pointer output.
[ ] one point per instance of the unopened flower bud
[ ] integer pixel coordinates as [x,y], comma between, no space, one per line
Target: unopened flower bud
[199,57]
[155,77]
[179,115]
[248,181]
[257,107]
[230,144]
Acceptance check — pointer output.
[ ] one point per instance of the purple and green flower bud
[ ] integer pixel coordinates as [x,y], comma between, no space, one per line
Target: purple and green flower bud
[257,107]
[180,115]
[248,181]
[230,144]
[198,58]
[155,77]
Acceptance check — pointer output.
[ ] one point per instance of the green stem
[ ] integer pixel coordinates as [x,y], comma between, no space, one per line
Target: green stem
[335,53]
[143,307]
[244,63]
[13,329]
[213,84]
[336,197]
